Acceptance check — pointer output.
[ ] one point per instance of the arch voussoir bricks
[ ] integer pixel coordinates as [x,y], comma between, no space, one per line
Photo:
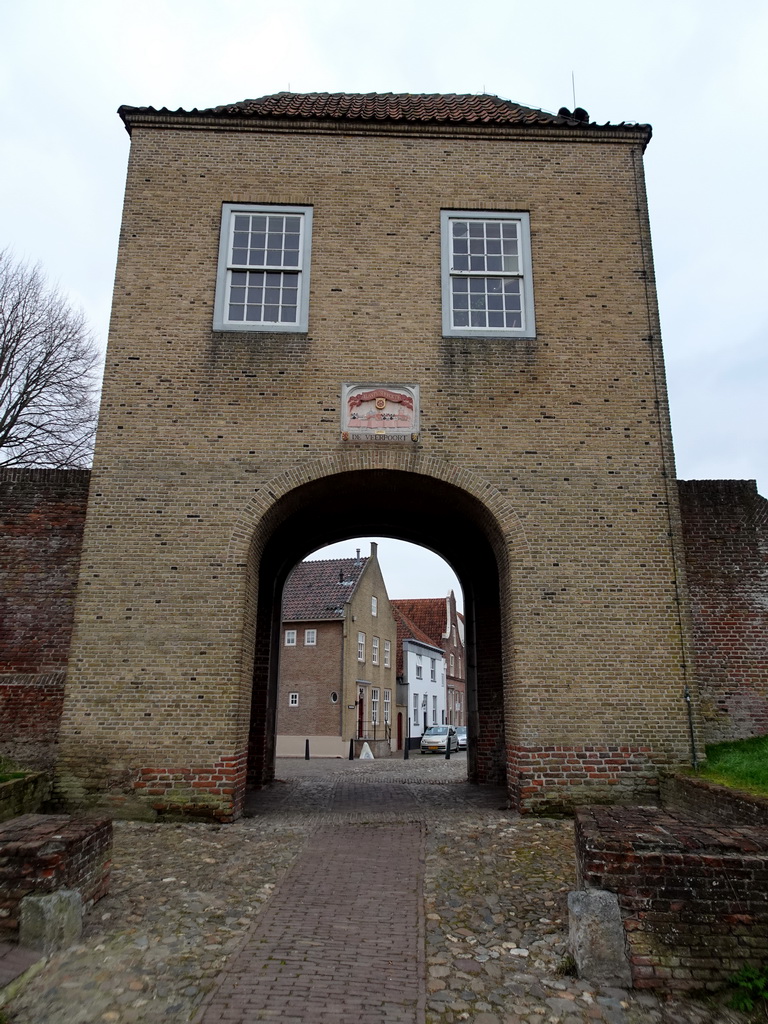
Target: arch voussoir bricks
[528,440]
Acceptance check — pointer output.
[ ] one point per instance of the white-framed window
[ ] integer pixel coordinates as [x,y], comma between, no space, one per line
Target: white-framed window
[374,650]
[416,707]
[453,635]
[310,638]
[290,638]
[387,706]
[374,606]
[374,705]
[432,669]
[486,274]
[452,662]
[434,710]
[293,700]
[460,669]
[418,667]
[361,646]
[387,654]
[263,276]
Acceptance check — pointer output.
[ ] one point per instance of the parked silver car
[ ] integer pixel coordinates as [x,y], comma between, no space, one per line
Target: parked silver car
[461,736]
[436,739]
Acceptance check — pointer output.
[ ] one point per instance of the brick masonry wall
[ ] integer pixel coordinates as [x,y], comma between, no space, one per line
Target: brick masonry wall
[556,779]
[552,455]
[710,802]
[725,526]
[314,673]
[693,896]
[42,515]
[41,853]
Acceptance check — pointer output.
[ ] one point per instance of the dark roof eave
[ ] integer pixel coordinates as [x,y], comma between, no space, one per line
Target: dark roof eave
[239,115]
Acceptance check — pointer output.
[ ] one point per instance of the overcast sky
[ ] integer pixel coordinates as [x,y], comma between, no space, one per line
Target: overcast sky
[696,70]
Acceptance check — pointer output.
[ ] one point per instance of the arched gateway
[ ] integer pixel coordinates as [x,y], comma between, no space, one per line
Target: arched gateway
[430,317]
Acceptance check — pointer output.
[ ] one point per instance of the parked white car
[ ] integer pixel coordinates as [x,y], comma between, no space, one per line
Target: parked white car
[437,738]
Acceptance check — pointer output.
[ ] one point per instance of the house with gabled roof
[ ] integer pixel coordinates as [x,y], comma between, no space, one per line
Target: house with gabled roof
[421,677]
[439,621]
[337,676]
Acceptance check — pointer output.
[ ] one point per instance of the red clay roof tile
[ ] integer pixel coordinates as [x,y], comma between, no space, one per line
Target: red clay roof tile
[318,590]
[426,108]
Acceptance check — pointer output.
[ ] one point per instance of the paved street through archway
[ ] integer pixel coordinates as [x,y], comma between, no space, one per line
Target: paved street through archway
[356,892]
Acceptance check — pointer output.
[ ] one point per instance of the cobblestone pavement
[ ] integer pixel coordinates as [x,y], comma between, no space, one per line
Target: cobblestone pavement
[177,938]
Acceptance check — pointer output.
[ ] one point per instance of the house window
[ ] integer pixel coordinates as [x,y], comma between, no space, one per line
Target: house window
[387,706]
[374,606]
[374,705]
[263,275]
[432,670]
[310,637]
[486,274]
[387,654]
[453,635]
[418,667]
[434,711]
[290,638]
[452,663]
[415,708]
[374,650]
[293,700]
[361,646]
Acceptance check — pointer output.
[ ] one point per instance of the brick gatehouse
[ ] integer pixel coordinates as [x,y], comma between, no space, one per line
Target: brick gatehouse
[430,317]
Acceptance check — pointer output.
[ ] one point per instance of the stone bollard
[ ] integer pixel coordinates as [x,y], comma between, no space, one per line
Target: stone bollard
[596,937]
[51,922]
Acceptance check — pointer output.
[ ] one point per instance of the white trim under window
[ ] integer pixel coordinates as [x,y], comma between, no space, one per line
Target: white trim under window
[290,638]
[361,646]
[487,277]
[374,650]
[310,638]
[262,283]
[293,700]
[387,654]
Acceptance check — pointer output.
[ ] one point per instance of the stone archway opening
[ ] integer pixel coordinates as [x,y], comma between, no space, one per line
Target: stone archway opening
[422,510]
[371,653]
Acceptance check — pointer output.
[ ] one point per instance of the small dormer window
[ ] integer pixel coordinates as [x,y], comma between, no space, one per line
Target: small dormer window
[374,606]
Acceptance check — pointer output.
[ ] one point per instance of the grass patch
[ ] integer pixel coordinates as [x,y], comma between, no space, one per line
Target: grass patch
[8,771]
[742,764]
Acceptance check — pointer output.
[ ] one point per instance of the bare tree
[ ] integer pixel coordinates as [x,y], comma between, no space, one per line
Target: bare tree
[47,379]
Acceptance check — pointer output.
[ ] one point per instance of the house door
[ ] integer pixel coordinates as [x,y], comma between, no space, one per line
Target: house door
[399,730]
[360,709]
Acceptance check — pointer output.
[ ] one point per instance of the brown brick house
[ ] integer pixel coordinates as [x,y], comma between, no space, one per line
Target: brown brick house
[337,660]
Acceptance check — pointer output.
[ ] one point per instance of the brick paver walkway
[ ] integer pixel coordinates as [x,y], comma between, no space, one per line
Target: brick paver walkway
[341,941]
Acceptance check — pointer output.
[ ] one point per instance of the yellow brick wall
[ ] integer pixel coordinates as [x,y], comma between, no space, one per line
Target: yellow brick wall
[556,449]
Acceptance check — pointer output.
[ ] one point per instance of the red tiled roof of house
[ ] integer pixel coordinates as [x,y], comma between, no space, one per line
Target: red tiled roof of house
[426,108]
[320,589]
[406,630]
[429,615]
